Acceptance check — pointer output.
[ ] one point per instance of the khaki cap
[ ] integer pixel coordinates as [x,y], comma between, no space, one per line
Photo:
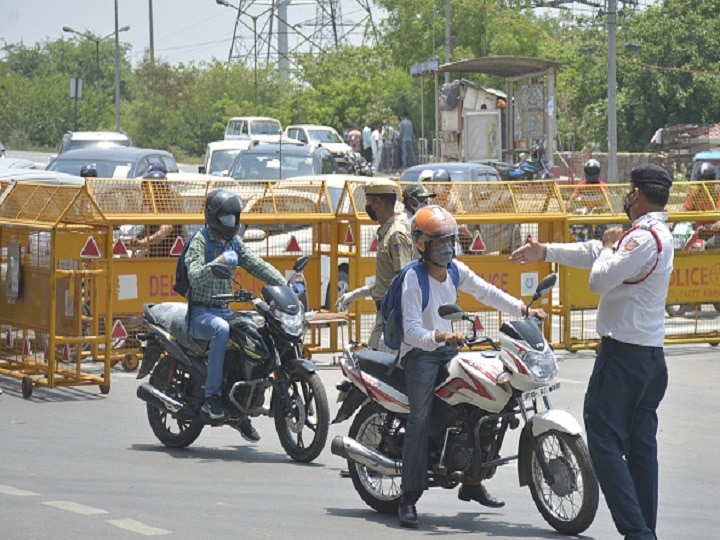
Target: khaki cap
[381,186]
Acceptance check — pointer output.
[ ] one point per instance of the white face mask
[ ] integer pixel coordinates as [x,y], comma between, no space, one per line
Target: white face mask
[227,221]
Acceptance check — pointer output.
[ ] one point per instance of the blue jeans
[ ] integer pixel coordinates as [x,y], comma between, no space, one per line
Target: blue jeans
[210,323]
[625,389]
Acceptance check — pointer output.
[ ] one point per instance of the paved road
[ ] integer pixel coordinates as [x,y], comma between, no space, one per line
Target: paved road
[75,464]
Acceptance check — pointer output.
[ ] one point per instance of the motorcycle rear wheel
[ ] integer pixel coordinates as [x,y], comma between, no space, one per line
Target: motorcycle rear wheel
[380,492]
[172,432]
[568,505]
[309,414]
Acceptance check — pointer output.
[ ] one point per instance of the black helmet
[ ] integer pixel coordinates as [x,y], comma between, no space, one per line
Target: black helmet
[440,175]
[155,174]
[89,171]
[592,170]
[707,171]
[220,203]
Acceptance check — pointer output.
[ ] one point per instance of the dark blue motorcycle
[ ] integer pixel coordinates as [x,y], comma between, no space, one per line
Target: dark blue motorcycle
[532,168]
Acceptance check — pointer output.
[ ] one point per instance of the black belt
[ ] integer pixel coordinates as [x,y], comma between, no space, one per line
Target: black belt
[629,346]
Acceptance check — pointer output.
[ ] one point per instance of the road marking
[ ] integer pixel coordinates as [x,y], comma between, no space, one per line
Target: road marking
[137,527]
[75,507]
[9,490]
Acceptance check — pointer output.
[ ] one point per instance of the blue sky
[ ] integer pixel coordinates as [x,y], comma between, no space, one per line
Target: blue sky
[184,30]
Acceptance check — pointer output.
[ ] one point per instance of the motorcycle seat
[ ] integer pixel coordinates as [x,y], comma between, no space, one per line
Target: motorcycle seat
[172,316]
[378,364]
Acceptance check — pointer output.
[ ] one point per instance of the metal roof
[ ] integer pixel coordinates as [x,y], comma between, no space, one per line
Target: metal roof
[509,67]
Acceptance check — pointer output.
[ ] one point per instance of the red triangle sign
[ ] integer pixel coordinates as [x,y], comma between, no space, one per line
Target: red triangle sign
[8,340]
[373,245]
[119,249]
[27,351]
[90,250]
[118,330]
[66,353]
[349,237]
[292,245]
[177,247]
[477,243]
[528,238]
[477,324]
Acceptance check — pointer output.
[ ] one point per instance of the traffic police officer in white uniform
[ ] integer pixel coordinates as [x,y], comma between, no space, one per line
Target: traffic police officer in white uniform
[631,273]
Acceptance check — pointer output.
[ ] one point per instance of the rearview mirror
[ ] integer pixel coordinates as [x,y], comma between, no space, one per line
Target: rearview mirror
[545,286]
[451,312]
[222,271]
[301,263]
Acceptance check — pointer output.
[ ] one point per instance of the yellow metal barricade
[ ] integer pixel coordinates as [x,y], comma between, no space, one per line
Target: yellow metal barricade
[55,259]
[282,221]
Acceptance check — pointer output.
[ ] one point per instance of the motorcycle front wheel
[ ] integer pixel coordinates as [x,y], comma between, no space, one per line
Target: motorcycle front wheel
[169,377]
[303,428]
[380,492]
[569,504]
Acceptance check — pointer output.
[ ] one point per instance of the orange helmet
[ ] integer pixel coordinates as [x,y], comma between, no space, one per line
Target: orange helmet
[431,223]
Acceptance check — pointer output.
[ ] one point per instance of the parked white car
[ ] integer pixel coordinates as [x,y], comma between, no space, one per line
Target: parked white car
[219,156]
[253,128]
[324,136]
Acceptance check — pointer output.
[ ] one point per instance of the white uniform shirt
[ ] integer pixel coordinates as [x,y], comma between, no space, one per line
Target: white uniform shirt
[420,326]
[631,313]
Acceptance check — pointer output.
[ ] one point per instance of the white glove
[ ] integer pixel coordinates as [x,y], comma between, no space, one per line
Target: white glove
[351,296]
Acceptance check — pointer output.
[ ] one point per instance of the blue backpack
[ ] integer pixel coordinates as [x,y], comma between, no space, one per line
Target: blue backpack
[391,307]
[182,281]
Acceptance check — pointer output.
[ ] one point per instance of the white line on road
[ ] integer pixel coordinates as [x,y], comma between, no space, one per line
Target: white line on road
[9,490]
[75,507]
[137,527]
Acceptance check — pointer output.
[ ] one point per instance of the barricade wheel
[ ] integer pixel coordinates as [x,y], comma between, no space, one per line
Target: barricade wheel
[105,387]
[27,387]
[130,362]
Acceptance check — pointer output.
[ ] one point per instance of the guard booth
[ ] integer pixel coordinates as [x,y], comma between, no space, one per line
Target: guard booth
[55,246]
[494,218]
[528,116]
[281,222]
[693,303]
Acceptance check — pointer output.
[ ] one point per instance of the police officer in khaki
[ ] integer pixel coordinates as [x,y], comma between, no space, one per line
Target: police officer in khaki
[394,248]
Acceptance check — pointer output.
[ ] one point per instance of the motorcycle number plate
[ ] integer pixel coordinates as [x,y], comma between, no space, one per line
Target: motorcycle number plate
[539,392]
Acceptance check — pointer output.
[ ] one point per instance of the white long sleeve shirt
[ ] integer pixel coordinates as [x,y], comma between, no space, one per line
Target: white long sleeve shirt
[420,326]
[628,312]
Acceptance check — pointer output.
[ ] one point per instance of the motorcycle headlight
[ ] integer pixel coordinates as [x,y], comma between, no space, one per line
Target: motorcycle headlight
[293,324]
[541,365]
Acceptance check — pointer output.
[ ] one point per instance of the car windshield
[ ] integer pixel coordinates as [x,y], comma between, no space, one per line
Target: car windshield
[264,127]
[105,168]
[271,167]
[324,136]
[76,144]
[222,160]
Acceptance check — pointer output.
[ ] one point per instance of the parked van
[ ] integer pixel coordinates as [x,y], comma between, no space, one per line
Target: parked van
[257,128]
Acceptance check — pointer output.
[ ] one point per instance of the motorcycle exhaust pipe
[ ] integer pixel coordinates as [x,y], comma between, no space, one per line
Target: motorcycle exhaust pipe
[348,448]
[158,399]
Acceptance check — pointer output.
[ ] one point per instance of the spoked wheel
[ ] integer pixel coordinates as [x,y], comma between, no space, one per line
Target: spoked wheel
[570,503]
[170,378]
[380,492]
[303,429]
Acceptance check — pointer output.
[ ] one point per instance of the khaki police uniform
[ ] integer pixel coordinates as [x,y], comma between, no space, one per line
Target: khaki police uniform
[394,251]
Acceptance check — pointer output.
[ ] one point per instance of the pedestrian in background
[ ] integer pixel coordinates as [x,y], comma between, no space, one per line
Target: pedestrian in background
[631,273]
[406,141]
[376,148]
[367,143]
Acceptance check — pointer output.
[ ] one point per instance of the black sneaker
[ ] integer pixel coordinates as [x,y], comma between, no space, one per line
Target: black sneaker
[214,408]
[248,432]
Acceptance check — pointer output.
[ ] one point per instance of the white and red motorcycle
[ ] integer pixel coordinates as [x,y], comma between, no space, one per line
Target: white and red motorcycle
[479,396]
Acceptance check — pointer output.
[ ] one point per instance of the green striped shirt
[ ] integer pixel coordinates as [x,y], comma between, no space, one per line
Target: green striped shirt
[203,285]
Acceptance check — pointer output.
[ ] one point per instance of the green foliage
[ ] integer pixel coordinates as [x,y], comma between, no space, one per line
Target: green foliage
[669,75]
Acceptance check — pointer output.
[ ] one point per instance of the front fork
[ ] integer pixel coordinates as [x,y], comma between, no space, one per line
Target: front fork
[532,445]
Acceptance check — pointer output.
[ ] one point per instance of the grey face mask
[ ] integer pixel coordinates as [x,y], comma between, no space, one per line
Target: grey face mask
[443,254]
